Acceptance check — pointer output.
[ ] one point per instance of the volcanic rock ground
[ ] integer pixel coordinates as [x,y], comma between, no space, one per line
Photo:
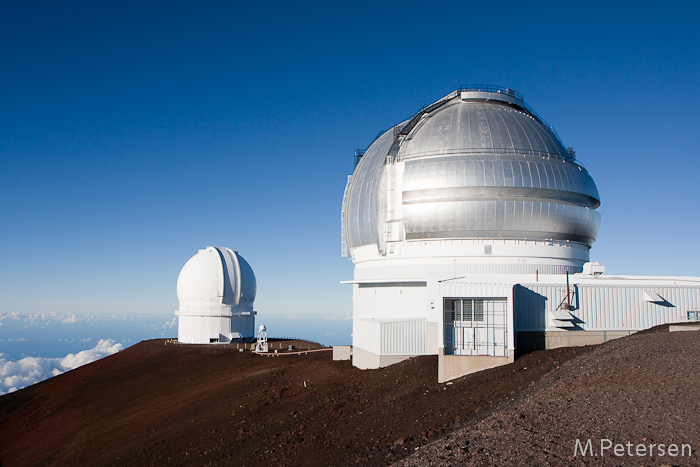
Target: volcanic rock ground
[158,404]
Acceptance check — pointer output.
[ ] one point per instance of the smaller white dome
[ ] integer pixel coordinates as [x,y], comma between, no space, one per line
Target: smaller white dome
[214,281]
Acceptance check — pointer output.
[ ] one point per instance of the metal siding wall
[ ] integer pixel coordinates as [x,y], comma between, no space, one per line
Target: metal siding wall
[449,289]
[403,337]
[605,307]
[611,307]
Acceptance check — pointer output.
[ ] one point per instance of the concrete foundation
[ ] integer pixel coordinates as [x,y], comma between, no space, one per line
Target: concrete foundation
[529,341]
[342,352]
[454,366]
[684,327]
[365,360]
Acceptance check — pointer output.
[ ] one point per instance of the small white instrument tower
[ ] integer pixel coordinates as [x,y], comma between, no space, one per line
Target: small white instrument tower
[261,345]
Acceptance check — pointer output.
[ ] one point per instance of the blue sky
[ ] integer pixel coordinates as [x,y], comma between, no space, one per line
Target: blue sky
[133,134]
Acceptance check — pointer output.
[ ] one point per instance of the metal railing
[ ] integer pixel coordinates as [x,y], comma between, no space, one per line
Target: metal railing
[490,88]
[406,129]
[358,155]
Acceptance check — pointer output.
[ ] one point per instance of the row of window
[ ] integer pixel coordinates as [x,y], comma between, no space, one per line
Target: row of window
[464,309]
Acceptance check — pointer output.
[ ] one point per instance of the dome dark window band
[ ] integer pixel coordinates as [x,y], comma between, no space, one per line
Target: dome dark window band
[499,234]
[484,193]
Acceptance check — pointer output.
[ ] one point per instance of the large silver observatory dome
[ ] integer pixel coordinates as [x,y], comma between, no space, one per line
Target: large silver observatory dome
[478,163]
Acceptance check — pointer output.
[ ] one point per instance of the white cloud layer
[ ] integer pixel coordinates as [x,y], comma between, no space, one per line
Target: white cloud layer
[165,327]
[18,374]
[52,317]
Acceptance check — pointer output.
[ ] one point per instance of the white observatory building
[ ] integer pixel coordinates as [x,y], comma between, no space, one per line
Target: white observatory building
[216,289]
[470,226]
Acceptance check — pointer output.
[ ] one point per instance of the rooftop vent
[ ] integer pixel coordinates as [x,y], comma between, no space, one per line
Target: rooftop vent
[593,268]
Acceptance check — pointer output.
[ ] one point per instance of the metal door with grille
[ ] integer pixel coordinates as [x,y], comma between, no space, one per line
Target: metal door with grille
[476,326]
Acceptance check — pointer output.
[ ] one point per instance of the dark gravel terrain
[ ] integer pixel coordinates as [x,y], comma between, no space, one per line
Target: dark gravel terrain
[157,404]
[640,393]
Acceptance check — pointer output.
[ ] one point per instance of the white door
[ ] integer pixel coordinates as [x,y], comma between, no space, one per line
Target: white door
[481,342]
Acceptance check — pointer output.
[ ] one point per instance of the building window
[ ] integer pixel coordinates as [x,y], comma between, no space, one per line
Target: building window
[694,315]
[468,309]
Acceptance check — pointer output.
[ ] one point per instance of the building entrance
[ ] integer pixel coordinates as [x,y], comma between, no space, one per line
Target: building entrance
[475,326]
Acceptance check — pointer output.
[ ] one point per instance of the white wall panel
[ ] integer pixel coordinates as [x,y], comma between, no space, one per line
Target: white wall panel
[366,335]
[390,301]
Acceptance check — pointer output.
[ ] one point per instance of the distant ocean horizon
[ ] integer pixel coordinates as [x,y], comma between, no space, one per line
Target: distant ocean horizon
[34,347]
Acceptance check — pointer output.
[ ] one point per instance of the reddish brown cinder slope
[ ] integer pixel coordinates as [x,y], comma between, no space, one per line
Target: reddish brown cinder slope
[156,404]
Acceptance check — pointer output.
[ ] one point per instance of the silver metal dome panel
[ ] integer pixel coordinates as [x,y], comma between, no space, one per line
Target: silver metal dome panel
[508,219]
[475,165]
[478,127]
[502,177]
[361,207]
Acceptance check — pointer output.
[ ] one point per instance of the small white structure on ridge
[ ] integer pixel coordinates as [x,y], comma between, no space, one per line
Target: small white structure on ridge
[261,345]
[216,289]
